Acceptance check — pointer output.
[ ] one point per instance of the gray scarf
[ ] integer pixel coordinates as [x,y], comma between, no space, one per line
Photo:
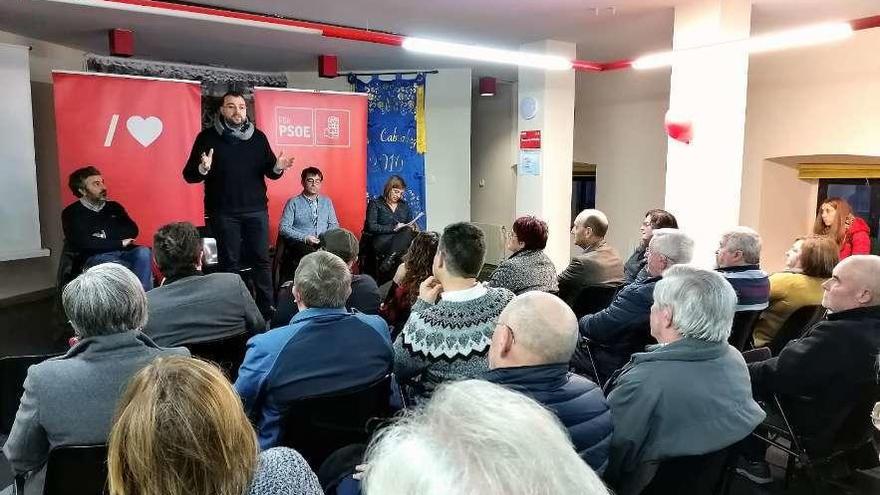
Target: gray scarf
[230,133]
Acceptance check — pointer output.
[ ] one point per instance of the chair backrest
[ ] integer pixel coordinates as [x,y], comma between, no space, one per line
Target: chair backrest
[80,469]
[228,352]
[695,475]
[594,298]
[13,370]
[318,426]
[794,326]
[741,331]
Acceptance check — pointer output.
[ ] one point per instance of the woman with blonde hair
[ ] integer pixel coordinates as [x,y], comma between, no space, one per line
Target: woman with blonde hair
[836,220]
[180,430]
[809,262]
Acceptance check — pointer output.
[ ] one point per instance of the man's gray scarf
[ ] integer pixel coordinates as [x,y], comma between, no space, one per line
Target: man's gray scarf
[232,133]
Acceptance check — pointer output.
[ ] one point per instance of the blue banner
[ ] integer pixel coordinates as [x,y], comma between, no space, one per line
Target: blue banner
[391,138]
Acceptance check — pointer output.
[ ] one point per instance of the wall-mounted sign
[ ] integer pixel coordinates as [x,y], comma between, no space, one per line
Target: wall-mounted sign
[530,140]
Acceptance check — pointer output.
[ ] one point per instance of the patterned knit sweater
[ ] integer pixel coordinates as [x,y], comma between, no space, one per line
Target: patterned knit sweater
[447,341]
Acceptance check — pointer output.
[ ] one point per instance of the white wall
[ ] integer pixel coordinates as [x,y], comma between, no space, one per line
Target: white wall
[817,100]
[619,128]
[448,159]
[25,276]
[493,162]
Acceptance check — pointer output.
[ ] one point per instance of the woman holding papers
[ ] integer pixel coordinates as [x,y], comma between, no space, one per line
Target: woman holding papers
[390,228]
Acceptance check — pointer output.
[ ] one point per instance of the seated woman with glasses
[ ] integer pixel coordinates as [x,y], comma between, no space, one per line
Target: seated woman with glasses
[306,216]
[390,228]
[528,268]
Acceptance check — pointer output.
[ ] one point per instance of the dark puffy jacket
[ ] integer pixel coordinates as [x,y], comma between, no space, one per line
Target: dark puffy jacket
[621,329]
[577,402]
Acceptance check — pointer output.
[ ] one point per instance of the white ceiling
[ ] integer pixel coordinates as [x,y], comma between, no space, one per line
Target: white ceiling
[635,27]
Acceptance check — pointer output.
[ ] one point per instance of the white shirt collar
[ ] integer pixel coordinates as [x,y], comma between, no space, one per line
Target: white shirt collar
[478,290]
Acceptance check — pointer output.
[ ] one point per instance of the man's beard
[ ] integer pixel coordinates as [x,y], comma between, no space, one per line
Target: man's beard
[233,124]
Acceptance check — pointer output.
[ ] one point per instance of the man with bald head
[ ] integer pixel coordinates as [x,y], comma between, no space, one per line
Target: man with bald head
[829,371]
[534,339]
[598,264]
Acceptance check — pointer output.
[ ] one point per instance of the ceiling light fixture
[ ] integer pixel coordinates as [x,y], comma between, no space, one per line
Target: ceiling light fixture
[485,54]
[805,36]
[195,12]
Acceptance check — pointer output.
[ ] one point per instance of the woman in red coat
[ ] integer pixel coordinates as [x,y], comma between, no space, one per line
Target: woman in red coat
[835,219]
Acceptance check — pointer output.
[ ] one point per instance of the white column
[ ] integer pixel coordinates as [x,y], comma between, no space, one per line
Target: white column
[548,195]
[708,87]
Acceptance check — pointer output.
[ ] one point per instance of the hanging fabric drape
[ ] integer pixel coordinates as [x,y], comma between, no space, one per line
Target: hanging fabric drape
[396,135]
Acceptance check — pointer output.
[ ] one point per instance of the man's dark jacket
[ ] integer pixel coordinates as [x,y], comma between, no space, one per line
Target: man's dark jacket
[822,376]
[577,402]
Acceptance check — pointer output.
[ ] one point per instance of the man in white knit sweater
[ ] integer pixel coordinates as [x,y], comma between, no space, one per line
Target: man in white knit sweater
[448,333]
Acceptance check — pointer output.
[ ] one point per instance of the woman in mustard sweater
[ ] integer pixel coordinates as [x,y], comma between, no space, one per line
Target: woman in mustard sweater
[808,263]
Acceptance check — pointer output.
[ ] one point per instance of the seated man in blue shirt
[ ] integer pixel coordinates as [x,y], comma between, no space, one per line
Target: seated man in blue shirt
[305,217]
[737,257]
[325,348]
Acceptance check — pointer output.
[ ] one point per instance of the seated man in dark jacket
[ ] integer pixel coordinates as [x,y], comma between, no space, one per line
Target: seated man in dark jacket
[364,296]
[101,230]
[71,399]
[190,307]
[325,348]
[832,369]
[531,347]
[623,328]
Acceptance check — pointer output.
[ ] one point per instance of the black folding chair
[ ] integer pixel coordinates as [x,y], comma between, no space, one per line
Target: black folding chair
[795,326]
[80,469]
[706,474]
[741,331]
[318,426]
[228,352]
[13,370]
[594,298]
[850,437]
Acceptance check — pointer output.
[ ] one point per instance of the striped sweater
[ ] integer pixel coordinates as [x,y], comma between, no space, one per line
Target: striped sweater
[751,284]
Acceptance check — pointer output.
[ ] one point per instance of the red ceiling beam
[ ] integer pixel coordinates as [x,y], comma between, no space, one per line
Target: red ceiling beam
[379,37]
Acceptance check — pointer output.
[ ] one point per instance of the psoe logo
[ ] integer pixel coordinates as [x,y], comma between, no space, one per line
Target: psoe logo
[295,126]
[333,127]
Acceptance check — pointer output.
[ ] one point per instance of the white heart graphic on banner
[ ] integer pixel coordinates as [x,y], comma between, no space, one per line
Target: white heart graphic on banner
[144,130]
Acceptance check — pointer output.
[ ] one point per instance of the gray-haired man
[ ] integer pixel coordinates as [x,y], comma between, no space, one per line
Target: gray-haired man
[325,348]
[688,395]
[70,400]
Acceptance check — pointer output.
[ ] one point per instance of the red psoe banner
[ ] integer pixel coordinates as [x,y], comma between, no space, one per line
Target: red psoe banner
[138,132]
[320,129]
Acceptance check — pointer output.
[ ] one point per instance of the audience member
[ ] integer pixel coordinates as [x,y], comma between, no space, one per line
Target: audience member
[388,227]
[531,347]
[190,307]
[821,377]
[475,437]
[836,220]
[69,400]
[598,264]
[305,217]
[737,259]
[528,268]
[623,328]
[414,270]
[180,430]
[634,268]
[325,348]
[449,330]
[688,395]
[809,262]
[101,230]
[364,296]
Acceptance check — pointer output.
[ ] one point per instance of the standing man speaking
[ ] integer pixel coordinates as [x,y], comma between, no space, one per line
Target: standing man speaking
[232,157]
